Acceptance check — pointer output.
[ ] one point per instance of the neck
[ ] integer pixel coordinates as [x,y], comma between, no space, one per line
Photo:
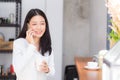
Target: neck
[37,42]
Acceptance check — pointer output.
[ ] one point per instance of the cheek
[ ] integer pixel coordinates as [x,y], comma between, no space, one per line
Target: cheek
[34,28]
[43,28]
[30,27]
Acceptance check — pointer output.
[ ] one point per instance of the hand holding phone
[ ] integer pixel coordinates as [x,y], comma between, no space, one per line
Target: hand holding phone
[29,36]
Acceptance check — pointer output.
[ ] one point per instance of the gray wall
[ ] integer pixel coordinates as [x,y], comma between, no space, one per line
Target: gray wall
[84,31]
[76,29]
[98,26]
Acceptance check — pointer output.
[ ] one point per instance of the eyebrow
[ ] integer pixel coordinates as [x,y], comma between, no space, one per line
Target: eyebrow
[35,21]
[42,21]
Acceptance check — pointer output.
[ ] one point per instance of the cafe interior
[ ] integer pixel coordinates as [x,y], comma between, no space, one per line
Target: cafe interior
[85,37]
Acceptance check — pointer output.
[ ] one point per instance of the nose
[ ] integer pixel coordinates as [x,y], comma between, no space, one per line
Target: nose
[38,26]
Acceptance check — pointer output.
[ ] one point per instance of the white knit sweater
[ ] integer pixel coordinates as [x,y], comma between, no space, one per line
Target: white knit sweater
[24,61]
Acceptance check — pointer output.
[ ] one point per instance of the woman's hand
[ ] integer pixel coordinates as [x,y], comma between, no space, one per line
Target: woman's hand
[44,67]
[29,36]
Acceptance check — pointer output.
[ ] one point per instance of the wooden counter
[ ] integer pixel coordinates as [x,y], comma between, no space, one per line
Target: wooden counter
[86,74]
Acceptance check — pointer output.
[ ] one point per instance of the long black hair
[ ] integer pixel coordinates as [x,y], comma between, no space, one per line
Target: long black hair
[45,41]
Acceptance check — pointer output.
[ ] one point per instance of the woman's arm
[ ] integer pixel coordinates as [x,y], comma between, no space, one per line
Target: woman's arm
[22,55]
[51,65]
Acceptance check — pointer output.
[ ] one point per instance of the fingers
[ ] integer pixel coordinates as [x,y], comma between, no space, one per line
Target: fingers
[44,67]
[29,36]
[44,62]
[30,33]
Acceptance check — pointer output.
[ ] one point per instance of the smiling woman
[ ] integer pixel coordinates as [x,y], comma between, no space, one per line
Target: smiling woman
[33,57]
[37,26]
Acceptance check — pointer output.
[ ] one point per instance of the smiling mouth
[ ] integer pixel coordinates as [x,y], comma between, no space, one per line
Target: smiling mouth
[38,32]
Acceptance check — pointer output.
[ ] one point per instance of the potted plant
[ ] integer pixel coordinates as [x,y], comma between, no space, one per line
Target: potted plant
[114,11]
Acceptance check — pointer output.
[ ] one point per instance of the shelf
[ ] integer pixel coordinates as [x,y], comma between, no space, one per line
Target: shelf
[9,25]
[19,1]
[6,46]
[6,51]
[9,77]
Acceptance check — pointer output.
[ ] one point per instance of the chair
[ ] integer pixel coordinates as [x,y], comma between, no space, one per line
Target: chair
[71,73]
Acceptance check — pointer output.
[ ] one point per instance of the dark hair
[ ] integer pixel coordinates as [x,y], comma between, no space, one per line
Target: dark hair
[45,41]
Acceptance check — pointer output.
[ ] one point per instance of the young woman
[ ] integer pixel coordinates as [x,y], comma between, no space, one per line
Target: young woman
[33,57]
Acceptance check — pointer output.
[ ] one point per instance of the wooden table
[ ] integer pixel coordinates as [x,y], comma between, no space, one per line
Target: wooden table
[86,74]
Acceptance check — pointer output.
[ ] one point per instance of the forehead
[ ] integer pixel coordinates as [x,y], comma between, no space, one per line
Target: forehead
[37,18]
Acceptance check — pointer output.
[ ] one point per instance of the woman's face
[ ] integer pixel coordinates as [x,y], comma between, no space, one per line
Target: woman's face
[38,25]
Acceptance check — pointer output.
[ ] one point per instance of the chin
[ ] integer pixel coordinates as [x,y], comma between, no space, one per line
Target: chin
[39,36]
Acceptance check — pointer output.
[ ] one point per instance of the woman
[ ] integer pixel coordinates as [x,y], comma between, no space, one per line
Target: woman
[33,57]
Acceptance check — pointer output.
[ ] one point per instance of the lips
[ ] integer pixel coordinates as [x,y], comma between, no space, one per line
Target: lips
[38,32]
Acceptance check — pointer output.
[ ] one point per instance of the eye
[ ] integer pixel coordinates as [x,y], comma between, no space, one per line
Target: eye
[34,24]
[42,23]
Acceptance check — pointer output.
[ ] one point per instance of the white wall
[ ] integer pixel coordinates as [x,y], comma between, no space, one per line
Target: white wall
[54,11]
[28,4]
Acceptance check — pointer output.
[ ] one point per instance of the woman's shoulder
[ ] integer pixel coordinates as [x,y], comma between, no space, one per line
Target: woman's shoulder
[20,40]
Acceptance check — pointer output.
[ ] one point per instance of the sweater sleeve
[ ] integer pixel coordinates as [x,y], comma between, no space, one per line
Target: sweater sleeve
[51,65]
[22,54]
